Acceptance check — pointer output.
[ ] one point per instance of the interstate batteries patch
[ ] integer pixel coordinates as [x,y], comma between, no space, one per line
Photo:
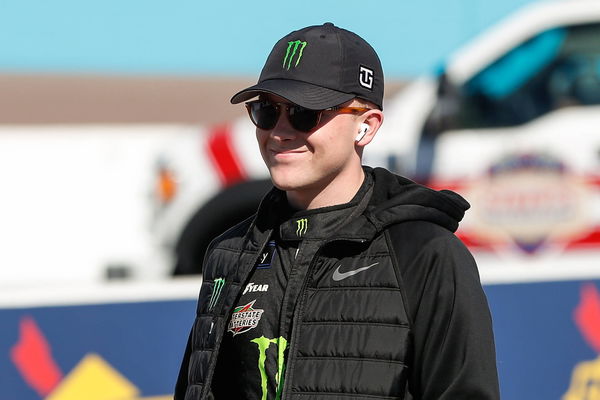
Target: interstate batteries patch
[244,318]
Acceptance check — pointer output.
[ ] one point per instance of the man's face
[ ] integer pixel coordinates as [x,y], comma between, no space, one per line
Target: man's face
[307,163]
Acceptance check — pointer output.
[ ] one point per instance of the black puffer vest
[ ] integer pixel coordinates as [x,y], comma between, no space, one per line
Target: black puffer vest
[369,335]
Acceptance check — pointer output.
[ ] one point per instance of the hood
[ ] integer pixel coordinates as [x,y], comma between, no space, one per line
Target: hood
[392,199]
[396,199]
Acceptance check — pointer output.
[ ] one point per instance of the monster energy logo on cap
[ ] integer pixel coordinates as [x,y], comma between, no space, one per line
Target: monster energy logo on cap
[214,297]
[292,50]
[301,227]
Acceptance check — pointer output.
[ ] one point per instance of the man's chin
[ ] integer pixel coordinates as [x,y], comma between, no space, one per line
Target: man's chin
[285,186]
[285,183]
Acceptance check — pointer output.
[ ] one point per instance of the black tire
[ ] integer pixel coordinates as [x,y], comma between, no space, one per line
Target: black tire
[227,208]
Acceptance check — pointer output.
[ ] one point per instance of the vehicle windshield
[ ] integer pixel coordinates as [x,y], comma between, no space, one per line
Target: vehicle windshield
[557,68]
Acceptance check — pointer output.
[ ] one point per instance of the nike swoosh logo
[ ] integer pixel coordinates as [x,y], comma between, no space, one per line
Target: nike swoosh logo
[338,276]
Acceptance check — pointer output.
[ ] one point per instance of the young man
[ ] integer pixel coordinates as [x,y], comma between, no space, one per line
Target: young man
[348,283]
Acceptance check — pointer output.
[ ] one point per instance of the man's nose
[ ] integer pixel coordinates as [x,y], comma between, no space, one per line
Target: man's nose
[283,130]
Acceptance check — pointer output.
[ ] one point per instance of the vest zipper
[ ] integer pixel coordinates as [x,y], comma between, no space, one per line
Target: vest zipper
[297,314]
[219,338]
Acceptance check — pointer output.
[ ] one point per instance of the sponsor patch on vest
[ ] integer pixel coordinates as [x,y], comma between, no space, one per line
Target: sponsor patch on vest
[266,257]
[244,318]
[252,287]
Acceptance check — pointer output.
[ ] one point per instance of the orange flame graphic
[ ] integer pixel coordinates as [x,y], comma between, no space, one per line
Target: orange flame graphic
[33,358]
[587,316]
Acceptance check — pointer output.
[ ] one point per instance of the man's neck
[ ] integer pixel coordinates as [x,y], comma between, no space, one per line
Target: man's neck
[340,190]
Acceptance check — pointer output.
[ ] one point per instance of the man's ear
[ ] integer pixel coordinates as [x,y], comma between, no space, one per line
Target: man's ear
[371,121]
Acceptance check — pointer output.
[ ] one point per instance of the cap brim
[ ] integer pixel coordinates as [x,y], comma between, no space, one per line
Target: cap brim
[301,93]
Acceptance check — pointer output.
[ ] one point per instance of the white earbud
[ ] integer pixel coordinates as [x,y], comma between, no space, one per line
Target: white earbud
[364,128]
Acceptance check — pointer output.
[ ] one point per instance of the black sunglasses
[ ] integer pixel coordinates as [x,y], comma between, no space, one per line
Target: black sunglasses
[265,114]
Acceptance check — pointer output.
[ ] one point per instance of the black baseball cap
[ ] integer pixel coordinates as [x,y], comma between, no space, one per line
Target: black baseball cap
[320,67]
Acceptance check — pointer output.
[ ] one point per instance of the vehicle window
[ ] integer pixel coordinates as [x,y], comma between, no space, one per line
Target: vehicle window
[557,68]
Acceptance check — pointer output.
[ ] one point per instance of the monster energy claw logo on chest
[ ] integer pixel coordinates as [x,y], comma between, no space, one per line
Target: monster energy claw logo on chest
[294,49]
[216,293]
[301,226]
[263,344]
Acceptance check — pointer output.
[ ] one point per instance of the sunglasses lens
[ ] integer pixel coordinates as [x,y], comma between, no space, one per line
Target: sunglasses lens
[263,115]
[303,119]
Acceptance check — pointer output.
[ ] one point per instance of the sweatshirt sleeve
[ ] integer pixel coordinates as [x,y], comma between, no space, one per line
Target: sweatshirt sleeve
[454,352]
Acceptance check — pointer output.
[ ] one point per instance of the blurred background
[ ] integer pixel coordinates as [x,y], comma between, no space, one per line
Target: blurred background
[121,158]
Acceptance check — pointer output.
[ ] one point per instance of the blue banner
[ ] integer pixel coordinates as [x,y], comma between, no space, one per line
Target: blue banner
[127,351]
[547,339]
[545,333]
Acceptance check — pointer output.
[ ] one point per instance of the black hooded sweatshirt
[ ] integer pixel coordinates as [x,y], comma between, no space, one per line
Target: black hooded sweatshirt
[383,302]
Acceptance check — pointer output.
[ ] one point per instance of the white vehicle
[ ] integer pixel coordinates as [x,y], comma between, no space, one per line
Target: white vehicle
[85,203]
[511,122]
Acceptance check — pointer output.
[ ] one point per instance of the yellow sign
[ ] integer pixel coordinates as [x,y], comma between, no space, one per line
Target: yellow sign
[95,379]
